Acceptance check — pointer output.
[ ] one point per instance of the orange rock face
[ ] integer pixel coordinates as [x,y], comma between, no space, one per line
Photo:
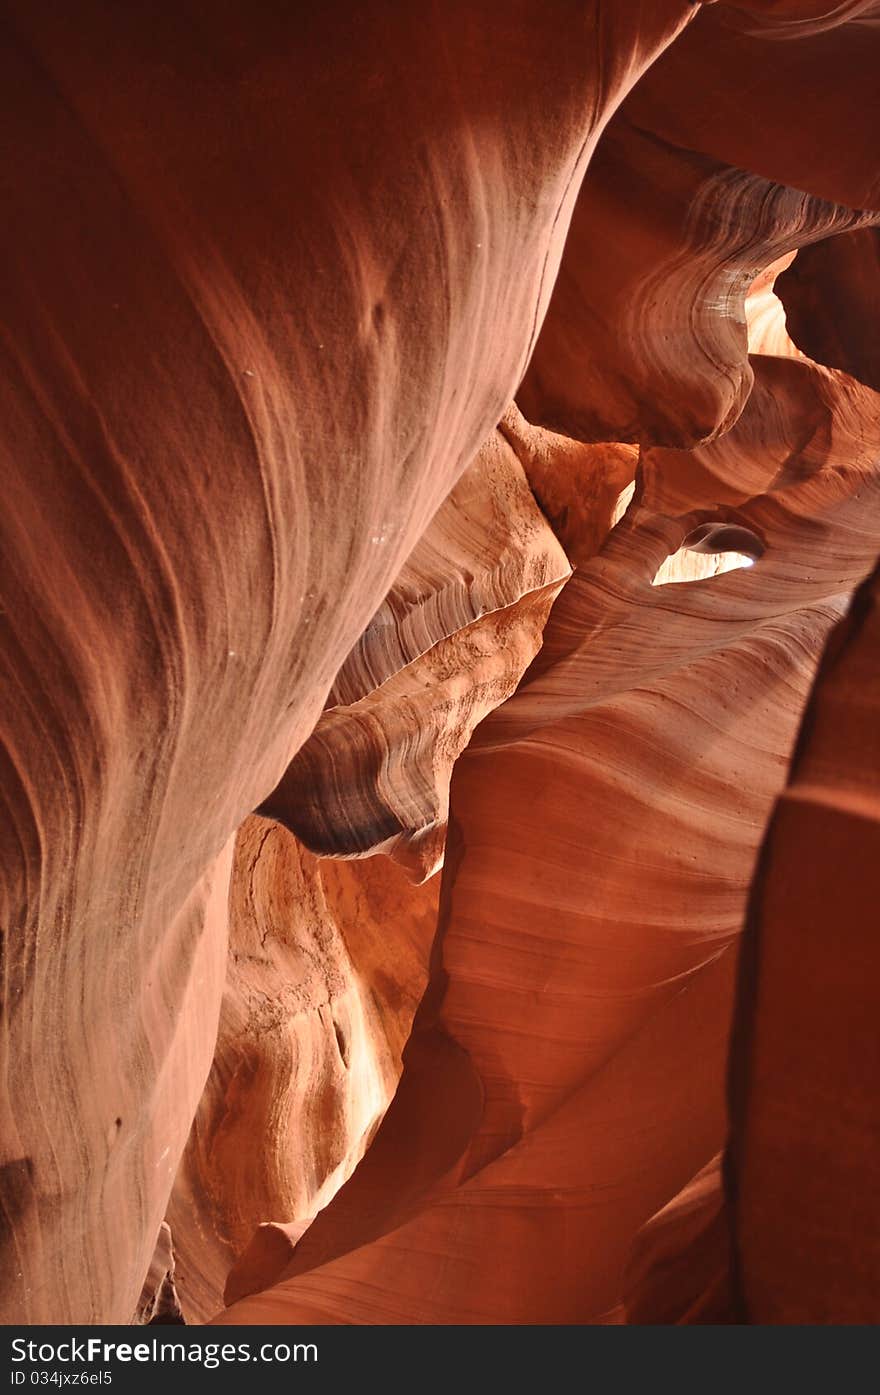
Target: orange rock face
[439,447]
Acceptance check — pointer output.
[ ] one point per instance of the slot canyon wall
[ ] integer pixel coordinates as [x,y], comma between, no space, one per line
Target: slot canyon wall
[440,751]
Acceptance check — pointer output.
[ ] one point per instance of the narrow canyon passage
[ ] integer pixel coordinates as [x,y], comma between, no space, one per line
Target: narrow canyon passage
[439,738]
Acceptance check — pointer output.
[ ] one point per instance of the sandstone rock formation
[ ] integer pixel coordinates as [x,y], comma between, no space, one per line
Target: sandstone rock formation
[806,1040]
[438,444]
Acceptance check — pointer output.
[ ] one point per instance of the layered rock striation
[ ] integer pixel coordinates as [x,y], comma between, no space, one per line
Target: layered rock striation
[438,449]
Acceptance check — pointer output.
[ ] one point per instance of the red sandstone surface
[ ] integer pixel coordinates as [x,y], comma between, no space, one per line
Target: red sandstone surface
[441,662]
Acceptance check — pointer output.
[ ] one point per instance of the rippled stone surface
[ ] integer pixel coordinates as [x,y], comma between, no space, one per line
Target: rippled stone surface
[412,910]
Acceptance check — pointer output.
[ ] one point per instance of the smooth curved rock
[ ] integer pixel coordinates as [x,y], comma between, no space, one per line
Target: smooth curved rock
[221,378]
[806,1125]
[679,1265]
[374,775]
[646,335]
[274,539]
[721,88]
[604,837]
[831,295]
[326,968]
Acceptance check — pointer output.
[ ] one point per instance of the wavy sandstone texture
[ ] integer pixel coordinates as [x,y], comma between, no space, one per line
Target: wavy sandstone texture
[438,447]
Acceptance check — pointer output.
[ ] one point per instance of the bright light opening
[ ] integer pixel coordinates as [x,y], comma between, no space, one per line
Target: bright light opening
[709,551]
